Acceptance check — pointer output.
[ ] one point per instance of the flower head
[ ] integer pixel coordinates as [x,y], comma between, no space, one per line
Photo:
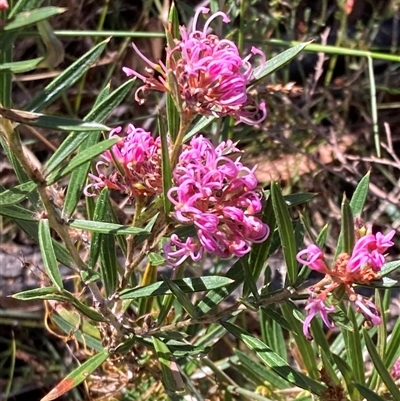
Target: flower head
[219,197]
[361,266]
[210,74]
[137,164]
[368,251]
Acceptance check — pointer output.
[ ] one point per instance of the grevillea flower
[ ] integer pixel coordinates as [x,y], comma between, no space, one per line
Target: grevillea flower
[211,76]
[136,161]
[366,259]
[219,197]
[314,258]
[316,305]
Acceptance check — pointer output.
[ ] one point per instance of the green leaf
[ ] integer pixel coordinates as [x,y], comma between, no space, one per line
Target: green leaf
[215,297]
[52,122]
[108,265]
[48,255]
[186,285]
[77,376]
[166,167]
[360,195]
[17,193]
[171,377]
[265,375]
[368,393]
[102,108]
[386,282]
[298,199]
[99,214]
[24,5]
[304,346]
[347,374]
[182,298]
[100,111]
[17,213]
[389,267]
[393,346]
[347,238]
[380,367]
[286,233]
[66,79]
[81,158]
[67,327]
[36,293]
[274,361]
[202,123]
[277,62]
[105,228]
[17,67]
[27,18]
[353,348]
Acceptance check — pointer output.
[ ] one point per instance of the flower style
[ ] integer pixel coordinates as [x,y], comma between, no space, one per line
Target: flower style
[210,74]
[137,161]
[219,197]
[362,266]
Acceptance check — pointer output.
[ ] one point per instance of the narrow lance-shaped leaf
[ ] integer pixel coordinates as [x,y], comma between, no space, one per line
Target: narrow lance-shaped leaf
[66,79]
[274,361]
[24,5]
[380,367]
[171,377]
[27,18]
[100,111]
[77,376]
[99,215]
[52,122]
[187,285]
[80,159]
[277,62]
[108,264]
[181,297]
[48,255]
[106,228]
[103,106]
[166,168]
[286,233]
[346,238]
[17,193]
[360,195]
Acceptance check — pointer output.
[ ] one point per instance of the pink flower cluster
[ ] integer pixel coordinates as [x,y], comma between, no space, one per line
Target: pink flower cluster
[217,195]
[362,266]
[136,161]
[395,371]
[211,75]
